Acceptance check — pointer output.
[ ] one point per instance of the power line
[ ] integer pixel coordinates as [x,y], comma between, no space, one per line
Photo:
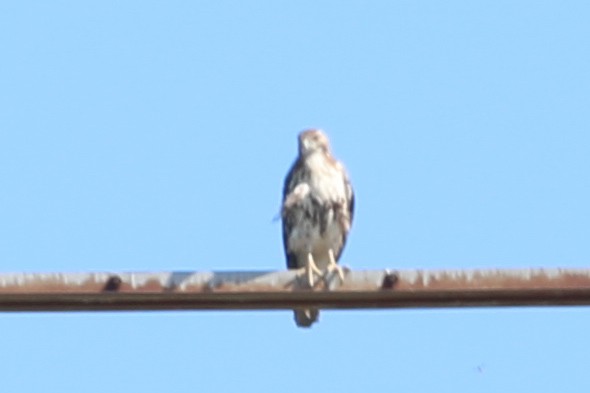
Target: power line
[283,290]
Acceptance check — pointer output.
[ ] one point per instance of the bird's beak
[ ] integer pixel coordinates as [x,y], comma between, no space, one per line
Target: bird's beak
[306,144]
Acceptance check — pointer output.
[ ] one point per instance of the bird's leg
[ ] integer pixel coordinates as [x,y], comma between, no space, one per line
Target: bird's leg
[334,266]
[310,269]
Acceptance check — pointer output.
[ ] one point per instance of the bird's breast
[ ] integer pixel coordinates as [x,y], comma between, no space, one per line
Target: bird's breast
[308,236]
[325,181]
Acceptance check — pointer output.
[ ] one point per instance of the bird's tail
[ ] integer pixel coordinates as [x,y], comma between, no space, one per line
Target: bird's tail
[306,317]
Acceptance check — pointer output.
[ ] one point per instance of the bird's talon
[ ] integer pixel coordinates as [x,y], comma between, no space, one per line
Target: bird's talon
[333,266]
[309,270]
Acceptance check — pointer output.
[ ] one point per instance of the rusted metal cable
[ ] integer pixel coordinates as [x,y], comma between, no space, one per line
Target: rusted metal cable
[283,290]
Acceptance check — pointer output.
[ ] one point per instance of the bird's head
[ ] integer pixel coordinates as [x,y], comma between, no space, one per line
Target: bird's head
[311,141]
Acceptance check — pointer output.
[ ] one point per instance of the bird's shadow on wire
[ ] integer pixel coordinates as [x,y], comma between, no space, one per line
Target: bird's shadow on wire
[215,280]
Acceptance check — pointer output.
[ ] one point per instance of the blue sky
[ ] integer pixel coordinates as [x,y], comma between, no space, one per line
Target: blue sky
[154,136]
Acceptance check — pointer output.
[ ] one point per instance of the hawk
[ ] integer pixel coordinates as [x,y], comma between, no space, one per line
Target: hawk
[318,205]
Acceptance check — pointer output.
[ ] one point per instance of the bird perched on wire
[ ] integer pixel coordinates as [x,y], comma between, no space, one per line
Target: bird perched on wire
[317,211]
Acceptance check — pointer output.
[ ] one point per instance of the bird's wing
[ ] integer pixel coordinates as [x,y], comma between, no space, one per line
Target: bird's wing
[346,212]
[288,213]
